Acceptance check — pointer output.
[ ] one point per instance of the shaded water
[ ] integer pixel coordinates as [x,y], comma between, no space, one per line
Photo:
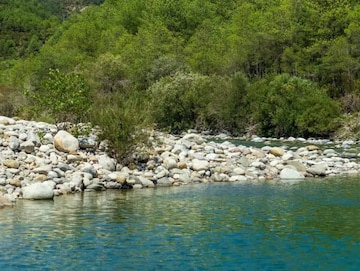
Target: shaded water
[312,225]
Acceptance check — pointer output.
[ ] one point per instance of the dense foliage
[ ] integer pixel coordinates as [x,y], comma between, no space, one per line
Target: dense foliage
[277,68]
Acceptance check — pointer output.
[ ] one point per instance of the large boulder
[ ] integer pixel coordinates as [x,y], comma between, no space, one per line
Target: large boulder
[38,191]
[66,142]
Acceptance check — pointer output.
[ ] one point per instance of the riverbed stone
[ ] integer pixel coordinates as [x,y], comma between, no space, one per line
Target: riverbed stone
[15,182]
[7,121]
[276,151]
[27,146]
[199,165]
[66,142]
[291,173]
[317,170]
[297,164]
[14,143]
[144,182]
[107,162]
[4,201]
[11,163]
[38,191]
[165,181]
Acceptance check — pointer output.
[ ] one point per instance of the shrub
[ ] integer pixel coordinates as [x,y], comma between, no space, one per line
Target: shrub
[124,121]
[285,105]
[62,97]
[189,100]
[11,101]
[178,99]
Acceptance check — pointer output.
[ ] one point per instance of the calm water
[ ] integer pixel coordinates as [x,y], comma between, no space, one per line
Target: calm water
[312,225]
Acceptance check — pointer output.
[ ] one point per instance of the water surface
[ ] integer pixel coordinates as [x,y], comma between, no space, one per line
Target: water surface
[312,225]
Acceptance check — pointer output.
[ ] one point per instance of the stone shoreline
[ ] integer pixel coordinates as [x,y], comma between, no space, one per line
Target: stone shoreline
[40,161]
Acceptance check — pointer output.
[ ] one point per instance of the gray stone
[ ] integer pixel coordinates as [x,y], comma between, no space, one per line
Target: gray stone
[145,182]
[107,163]
[48,139]
[194,138]
[112,185]
[94,186]
[318,169]
[90,169]
[64,167]
[164,182]
[34,138]
[27,146]
[14,143]
[42,169]
[87,143]
[244,161]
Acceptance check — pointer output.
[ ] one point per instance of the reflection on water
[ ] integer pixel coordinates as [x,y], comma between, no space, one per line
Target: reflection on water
[312,225]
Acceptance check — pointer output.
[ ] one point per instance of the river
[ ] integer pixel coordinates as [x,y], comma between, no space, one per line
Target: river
[310,225]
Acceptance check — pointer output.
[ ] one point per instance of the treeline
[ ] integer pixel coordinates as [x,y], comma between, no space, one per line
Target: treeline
[276,68]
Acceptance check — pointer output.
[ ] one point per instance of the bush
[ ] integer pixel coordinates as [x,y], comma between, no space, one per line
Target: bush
[178,99]
[11,101]
[61,97]
[189,100]
[285,105]
[124,121]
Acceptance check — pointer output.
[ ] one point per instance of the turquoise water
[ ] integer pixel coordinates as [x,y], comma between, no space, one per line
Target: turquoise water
[312,225]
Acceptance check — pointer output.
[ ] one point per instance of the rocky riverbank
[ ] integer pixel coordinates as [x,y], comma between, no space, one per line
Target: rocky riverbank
[40,161]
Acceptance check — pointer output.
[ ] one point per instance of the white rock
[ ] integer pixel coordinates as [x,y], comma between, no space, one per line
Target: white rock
[287,156]
[170,163]
[290,173]
[194,138]
[238,178]
[239,171]
[38,191]
[198,165]
[7,121]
